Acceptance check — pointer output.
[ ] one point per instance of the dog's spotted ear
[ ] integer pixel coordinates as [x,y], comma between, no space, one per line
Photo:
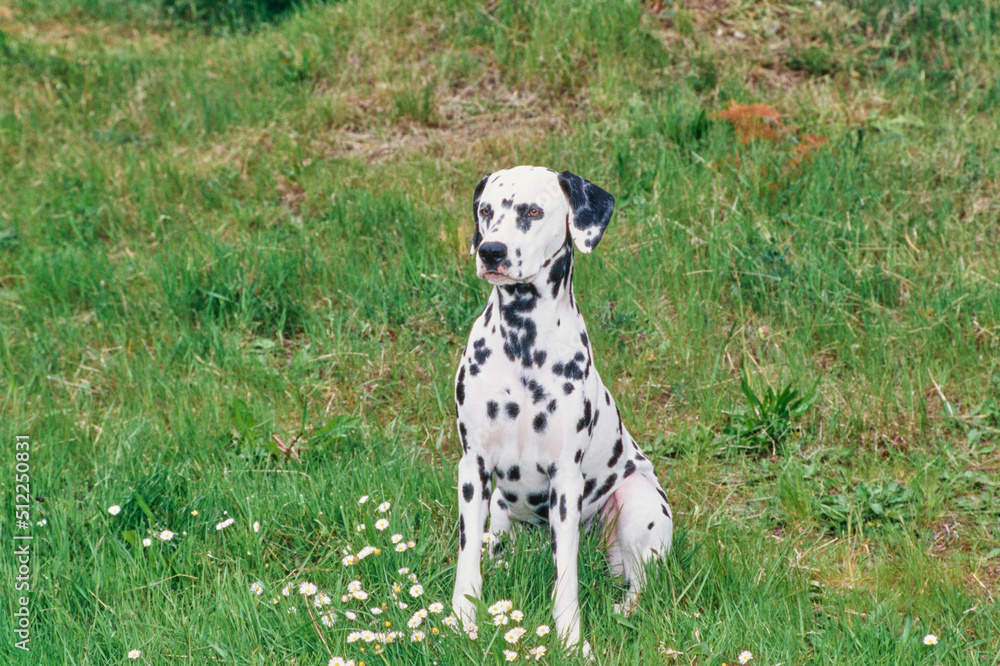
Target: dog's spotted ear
[592,208]
[477,237]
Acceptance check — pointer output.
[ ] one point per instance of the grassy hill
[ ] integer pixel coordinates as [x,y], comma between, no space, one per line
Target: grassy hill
[235,282]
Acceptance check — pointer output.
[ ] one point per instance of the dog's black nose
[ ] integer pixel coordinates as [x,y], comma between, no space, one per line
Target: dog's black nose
[492,253]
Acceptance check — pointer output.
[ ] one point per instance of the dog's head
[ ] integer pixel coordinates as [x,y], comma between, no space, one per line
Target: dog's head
[525,216]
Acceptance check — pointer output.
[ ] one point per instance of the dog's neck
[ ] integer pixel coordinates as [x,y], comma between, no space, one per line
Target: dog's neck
[544,304]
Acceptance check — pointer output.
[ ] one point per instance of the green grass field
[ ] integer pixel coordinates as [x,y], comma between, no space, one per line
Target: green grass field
[225,228]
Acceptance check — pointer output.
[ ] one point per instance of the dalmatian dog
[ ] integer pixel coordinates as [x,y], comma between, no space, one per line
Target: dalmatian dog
[542,439]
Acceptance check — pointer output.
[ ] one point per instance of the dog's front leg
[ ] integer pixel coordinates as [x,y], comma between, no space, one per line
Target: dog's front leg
[566,488]
[473,503]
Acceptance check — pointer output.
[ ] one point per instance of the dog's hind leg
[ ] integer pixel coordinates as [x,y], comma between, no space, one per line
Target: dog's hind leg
[638,527]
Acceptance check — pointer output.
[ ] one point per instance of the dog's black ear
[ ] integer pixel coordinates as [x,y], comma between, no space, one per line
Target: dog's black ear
[477,237]
[592,208]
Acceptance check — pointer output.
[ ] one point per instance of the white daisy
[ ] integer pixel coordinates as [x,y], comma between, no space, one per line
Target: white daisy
[542,630]
[930,639]
[167,535]
[436,607]
[745,657]
[363,499]
[416,590]
[256,526]
[509,655]
[417,636]
[147,542]
[257,588]
[134,654]
[384,506]
[224,524]
[114,510]
[381,524]
[307,589]
[514,635]
[396,538]
[328,619]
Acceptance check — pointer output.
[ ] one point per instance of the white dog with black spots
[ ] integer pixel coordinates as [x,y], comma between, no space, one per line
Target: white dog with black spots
[542,439]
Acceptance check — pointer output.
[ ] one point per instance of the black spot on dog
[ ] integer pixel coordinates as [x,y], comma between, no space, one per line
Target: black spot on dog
[629,468]
[514,473]
[473,369]
[579,357]
[551,470]
[552,498]
[468,491]
[579,503]
[488,314]
[562,508]
[498,472]
[585,419]
[650,526]
[534,499]
[551,407]
[567,388]
[568,370]
[507,203]
[607,398]
[562,269]
[542,511]
[616,452]
[461,532]
[552,537]
[492,409]
[539,422]
[537,390]
[502,505]
[509,496]
[482,352]
[524,217]
[463,434]
[605,487]
[588,486]
[578,457]
[665,510]
[512,409]
[460,386]
[540,358]
[662,494]
[583,339]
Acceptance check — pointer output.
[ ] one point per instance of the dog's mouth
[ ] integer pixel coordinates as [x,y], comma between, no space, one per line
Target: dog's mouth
[498,278]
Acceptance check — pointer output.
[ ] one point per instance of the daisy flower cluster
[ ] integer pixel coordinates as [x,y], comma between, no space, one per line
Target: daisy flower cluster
[502,614]
[385,609]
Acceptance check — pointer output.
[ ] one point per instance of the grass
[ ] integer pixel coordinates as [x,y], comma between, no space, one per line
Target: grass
[222,237]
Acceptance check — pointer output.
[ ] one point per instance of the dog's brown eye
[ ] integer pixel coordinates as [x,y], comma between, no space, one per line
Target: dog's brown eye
[485,212]
[534,212]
